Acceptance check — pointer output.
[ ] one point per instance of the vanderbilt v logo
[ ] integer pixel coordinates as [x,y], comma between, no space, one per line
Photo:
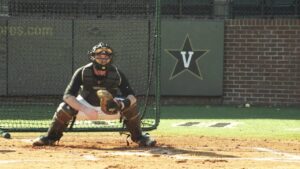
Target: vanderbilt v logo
[186,59]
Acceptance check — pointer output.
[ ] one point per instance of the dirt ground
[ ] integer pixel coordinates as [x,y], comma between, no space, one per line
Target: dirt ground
[110,151]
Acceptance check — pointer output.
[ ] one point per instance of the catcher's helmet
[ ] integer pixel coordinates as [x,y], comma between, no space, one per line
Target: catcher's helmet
[100,48]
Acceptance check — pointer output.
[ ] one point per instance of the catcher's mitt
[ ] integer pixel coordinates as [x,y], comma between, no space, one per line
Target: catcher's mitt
[107,103]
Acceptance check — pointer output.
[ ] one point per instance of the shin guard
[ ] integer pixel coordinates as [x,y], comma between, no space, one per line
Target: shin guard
[60,121]
[133,122]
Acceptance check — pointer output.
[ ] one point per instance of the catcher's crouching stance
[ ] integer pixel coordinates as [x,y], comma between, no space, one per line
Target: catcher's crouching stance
[91,95]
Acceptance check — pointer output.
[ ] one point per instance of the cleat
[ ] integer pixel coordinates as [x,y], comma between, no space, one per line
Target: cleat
[43,141]
[146,141]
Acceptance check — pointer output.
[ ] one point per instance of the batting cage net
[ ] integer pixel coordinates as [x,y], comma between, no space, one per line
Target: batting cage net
[42,42]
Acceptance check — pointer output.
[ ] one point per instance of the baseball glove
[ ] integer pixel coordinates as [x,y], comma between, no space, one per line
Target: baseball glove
[107,103]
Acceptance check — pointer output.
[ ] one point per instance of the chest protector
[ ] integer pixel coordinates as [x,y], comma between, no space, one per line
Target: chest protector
[92,83]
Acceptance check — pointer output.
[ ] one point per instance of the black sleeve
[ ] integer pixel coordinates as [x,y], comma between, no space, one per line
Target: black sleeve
[75,83]
[124,86]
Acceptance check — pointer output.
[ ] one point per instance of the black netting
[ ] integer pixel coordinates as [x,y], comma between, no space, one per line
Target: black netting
[42,42]
[200,8]
[264,8]
[79,8]
[207,9]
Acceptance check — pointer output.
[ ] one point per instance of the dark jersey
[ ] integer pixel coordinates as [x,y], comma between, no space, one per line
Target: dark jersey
[86,83]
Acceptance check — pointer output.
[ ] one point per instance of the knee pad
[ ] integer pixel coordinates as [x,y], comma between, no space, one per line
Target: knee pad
[131,113]
[67,109]
[65,113]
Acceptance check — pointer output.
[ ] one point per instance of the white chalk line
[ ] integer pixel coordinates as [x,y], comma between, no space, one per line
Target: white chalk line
[85,158]
[293,129]
[287,157]
[90,157]
[30,141]
[270,159]
[24,161]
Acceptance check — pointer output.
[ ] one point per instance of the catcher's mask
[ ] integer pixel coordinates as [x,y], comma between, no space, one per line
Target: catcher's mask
[105,55]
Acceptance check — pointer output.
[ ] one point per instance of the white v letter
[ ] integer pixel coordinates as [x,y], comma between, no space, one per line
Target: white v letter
[186,61]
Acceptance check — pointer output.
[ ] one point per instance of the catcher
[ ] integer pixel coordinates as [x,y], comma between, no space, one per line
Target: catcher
[91,95]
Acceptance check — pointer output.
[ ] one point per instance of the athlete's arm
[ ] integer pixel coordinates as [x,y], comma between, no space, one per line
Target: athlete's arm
[127,91]
[72,91]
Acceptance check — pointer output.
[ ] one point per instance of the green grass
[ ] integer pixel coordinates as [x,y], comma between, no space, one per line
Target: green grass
[254,122]
[37,117]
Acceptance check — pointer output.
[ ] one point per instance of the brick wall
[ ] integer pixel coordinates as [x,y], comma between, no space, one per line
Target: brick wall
[262,62]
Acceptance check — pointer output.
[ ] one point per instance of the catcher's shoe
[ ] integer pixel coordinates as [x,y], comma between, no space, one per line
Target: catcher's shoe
[146,141]
[43,141]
